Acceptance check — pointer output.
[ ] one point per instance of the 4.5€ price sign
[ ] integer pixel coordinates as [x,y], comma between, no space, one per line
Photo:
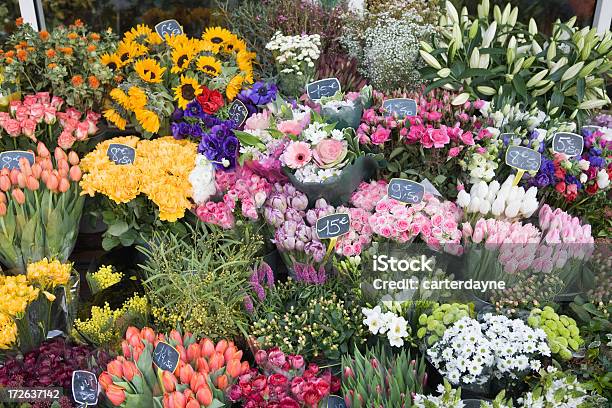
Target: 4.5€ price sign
[121,154]
[567,143]
[322,88]
[165,357]
[406,191]
[401,107]
[85,387]
[333,225]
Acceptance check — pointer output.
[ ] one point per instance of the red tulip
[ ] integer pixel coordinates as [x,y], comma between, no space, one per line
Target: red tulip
[147,333]
[193,352]
[130,370]
[192,403]
[125,349]
[185,373]
[115,368]
[169,381]
[202,365]
[42,150]
[221,346]
[177,400]
[204,396]
[208,348]
[73,158]
[176,336]
[198,380]
[18,195]
[105,380]
[115,394]
[216,362]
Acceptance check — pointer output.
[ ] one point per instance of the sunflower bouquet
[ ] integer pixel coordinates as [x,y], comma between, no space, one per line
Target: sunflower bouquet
[155,187]
[162,77]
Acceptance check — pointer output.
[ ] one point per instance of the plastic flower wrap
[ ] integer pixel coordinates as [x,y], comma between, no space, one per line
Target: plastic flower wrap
[205,371]
[42,117]
[40,208]
[163,74]
[64,62]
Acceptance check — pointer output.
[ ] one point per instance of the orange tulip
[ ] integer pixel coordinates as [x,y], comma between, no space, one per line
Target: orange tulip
[131,331]
[18,195]
[115,368]
[73,158]
[4,171]
[3,199]
[13,176]
[60,154]
[5,183]
[52,182]
[221,346]
[32,183]
[198,380]
[42,150]
[233,368]
[176,336]
[64,185]
[134,339]
[216,362]
[146,333]
[125,349]
[204,396]
[105,380]
[176,400]
[2,209]
[137,352]
[21,180]
[169,381]
[182,352]
[192,403]
[202,365]
[115,394]
[193,352]
[232,353]
[24,166]
[130,370]
[222,382]
[47,164]
[185,373]
[208,348]
[63,167]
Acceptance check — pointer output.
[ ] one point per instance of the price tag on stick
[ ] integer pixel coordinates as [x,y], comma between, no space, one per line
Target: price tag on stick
[523,159]
[406,191]
[165,357]
[168,28]
[334,401]
[331,227]
[567,143]
[401,107]
[238,112]
[85,387]
[323,87]
[10,159]
[121,154]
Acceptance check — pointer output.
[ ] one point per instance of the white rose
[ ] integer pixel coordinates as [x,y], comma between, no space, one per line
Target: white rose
[584,164]
[602,179]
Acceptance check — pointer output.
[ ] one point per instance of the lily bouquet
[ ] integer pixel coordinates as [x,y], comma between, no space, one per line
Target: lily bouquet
[40,208]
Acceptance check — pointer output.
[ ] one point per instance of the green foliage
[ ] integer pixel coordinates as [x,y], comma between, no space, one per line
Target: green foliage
[433,325]
[561,331]
[199,282]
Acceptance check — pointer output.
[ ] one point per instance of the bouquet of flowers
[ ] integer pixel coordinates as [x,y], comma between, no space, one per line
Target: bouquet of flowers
[343,110]
[40,208]
[282,381]
[204,372]
[64,62]
[40,117]
[211,70]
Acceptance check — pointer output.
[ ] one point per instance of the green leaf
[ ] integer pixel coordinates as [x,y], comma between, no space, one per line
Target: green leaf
[519,85]
[118,228]
[580,88]
[246,139]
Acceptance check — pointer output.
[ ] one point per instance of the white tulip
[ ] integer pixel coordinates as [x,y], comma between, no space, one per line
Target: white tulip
[481,189]
[463,199]
[531,193]
[512,209]
[528,208]
[485,207]
[498,207]
[474,205]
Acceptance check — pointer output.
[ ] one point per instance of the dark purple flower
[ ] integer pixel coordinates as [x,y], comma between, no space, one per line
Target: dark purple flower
[176,130]
[177,114]
[569,179]
[260,94]
[194,110]
[546,174]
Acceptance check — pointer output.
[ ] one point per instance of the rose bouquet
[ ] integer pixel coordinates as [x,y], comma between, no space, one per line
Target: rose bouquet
[40,208]
[160,75]
[282,381]
[64,62]
[40,117]
[204,372]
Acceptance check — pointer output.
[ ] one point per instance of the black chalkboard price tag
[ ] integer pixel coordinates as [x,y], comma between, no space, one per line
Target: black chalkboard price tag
[333,225]
[567,143]
[406,191]
[10,159]
[238,112]
[334,401]
[85,387]
[168,28]
[401,107]
[322,88]
[523,158]
[166,357]
[121,154]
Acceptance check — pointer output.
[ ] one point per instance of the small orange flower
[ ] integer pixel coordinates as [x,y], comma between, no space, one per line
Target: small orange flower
[44,35]
[10,54]
[31,49]
[50,53]
[9,60]
[22,55]
[67,50]
[91,48]
[23,44]
[95,36]
[93,81]
[77,80]
[73,36]
[52,65]
[78,22]
[19,21]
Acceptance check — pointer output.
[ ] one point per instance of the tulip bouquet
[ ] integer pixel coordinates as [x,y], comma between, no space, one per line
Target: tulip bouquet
[40,208]
[211,71]
[40,117]
[205,371]
[282,380]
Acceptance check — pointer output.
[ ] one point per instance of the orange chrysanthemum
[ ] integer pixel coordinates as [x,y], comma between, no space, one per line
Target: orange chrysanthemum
[73,36]
[22,55]
[94,36]
[52,65]
[78,23]
[19,21]
[93,81]
[77,80]
[91,48]
[50,53]
[44,35]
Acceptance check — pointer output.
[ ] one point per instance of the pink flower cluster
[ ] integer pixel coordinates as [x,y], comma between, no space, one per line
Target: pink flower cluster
[369,194]
[376,128]
[241,184]
[282,381]
[436,222]
[25,116]
[565,232]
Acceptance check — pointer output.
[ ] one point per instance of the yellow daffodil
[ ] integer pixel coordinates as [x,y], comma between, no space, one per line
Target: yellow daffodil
[209,65]
[115,118]
[234,87]
[149,70]
[148,120]
[187,91]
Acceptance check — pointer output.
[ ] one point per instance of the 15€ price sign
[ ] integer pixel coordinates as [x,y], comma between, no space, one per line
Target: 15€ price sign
[333,225]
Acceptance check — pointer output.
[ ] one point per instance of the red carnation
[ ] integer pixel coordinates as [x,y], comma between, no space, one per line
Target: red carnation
[210,101]
[592,188]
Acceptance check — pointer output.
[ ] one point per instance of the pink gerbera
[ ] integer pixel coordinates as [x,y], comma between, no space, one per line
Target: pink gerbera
[297,155]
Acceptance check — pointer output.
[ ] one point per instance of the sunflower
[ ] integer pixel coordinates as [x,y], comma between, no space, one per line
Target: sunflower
[128,50]
[175,41]
[217,36]
[186,91]
[182,55]
[149,70]
[138,98]
[142,33]
[237,45]
[148,120]
[111,60]
[234,87]
[115,118]
[244,59]
[209,65]
[121,98]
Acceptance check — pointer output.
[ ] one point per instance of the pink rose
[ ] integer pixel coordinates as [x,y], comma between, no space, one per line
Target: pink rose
[22,112]
[81,131]
[258,121]
[13,105]
[381,135]
[292,127]
[439,137]
[93,116]
[92,126]
[30,100]
[4,117]
[329,152]
[43,97]
[12,127]
[37,112]
[28,127]
[276,358]
[73,113]
[66,140]
[50,115]
[467,138]
[434,116]
[57,102]
[454,151]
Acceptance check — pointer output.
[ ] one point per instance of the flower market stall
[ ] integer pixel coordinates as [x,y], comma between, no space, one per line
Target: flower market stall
[307,204]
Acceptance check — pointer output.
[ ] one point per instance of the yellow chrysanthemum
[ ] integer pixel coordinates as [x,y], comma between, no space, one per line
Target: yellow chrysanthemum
[187,91]
[149,70]
[127,51]
[111,60]
[49,274]
[138,98]
[121,98]
[181,55]
[209,65]
[217,36]
[16,294]
[148,120]
[234,87]
[115,118]
[141,34]
[8,331]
